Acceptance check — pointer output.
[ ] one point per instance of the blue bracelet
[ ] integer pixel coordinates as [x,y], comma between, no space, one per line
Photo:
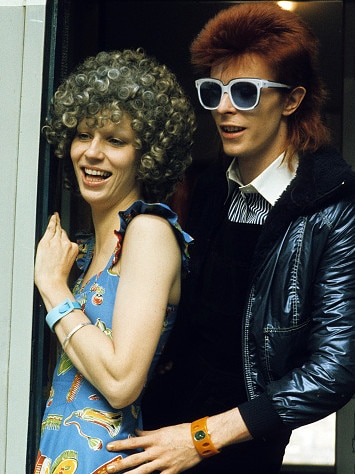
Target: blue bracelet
[60,311]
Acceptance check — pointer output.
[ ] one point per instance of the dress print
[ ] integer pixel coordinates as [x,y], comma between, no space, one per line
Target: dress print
[78,422]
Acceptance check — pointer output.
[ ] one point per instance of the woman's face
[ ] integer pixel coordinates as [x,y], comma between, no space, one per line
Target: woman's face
[105,163]
[258,135]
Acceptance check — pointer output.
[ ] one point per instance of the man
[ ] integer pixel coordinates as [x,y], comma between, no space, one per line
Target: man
[265,342]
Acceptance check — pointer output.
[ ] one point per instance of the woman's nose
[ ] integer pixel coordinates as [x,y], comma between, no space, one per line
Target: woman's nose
[95,149]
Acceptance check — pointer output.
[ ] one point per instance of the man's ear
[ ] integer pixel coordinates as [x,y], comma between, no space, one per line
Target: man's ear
[293,100]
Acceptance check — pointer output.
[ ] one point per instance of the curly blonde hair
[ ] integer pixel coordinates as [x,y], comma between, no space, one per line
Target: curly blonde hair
[129,82]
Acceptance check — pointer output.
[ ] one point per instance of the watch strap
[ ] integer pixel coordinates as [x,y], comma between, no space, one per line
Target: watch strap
[202,439]
[58,312]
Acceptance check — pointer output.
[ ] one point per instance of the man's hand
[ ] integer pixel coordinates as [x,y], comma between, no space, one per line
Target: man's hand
[171,450]
[168,450]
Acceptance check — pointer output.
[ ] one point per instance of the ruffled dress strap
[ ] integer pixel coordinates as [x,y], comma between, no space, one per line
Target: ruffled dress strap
[86,244]
[86,241]
[162,210]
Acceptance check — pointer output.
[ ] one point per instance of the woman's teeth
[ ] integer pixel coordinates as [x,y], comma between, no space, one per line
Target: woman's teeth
[102,174]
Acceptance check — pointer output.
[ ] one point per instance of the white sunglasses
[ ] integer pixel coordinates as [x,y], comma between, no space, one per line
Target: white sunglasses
[244,93]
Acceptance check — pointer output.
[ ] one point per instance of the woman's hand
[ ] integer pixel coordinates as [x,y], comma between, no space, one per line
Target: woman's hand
[54,259]
[168,450]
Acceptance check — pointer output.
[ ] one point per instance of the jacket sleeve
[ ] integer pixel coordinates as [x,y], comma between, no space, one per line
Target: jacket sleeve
[324,379]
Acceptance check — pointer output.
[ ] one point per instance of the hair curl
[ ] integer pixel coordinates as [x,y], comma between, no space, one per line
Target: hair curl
[129,81]
[287,45]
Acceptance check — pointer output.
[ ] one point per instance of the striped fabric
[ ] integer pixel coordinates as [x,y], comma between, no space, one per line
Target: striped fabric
[248,208]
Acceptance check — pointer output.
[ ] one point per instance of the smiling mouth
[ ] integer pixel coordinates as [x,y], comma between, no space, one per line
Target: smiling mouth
[95,176]
[230,129]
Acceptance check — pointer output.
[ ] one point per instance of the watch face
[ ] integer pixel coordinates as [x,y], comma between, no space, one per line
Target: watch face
[200,435]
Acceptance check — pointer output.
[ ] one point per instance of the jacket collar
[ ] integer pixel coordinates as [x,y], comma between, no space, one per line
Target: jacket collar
[321,179]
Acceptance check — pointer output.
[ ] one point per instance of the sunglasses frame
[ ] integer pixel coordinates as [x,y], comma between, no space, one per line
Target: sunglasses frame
[226,88]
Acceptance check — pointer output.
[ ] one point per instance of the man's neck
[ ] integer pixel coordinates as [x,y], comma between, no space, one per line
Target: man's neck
[250,169]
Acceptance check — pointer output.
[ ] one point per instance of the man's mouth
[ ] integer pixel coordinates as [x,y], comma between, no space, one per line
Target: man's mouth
[230,129]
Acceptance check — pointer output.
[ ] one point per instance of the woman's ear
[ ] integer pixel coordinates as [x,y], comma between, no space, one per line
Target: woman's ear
[293,100]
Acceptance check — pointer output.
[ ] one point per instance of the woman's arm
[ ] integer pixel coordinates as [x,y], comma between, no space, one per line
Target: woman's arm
[149,273]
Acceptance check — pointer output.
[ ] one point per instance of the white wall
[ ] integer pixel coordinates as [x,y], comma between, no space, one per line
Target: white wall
[22,26]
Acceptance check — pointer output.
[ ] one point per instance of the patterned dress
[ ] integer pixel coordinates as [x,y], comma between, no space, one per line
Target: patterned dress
[78,422]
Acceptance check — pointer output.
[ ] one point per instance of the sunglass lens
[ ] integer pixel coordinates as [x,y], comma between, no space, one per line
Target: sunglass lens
[210,94]
[244,94]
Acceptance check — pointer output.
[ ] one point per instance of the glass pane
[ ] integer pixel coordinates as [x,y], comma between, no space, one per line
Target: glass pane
[313,444]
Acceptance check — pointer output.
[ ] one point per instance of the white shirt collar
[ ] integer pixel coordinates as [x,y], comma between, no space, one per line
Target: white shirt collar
[270,183]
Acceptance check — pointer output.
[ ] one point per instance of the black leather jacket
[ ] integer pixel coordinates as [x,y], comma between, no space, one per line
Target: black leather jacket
[299,321]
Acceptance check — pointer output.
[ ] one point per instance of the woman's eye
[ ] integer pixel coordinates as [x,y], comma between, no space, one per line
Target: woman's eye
[83,136]
[116,141]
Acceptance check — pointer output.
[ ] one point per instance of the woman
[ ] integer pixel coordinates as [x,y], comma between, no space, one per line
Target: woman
[128,127]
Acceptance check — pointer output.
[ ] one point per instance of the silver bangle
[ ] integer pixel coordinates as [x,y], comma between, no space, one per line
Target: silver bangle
[73,331]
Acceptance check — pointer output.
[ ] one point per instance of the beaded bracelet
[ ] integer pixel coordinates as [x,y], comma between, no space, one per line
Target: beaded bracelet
[73,331]
[201,438]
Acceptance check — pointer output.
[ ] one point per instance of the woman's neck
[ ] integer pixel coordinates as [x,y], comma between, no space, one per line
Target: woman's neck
[106,221]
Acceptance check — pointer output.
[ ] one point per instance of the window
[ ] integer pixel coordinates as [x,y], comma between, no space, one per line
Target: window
[313,445]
